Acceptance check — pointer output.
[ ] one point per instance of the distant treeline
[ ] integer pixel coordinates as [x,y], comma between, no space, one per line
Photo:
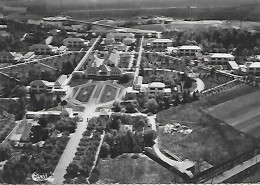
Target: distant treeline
[194,9]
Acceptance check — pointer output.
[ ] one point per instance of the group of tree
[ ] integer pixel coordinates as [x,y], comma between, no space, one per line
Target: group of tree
[40,102]
[243,43]
[13,42]
[66,124]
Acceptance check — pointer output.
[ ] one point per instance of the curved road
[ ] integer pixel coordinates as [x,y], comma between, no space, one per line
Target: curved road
[181,166]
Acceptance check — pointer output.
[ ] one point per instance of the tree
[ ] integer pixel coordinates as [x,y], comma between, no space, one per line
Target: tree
[58,98]
[149,137]
[5,151]
[116,107]
[130,108]
[152,105]
[123,79]
[72,170]
[38,134]
[194,96]
[104,150]
[94,176]
[116,124]
[212,71]
[177,100]
[42,122]
[139,125]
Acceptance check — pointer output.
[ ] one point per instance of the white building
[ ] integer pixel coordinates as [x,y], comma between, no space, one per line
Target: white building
[73,42]
[120,36]
[42,49]
[254,68]
[161,43]
[221,58]
[189,50]
[158,88]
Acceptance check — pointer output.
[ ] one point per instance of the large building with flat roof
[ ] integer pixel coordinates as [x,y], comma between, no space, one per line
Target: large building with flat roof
[221,58]
[189,50]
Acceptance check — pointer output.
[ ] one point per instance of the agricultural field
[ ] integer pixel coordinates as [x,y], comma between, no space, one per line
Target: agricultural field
[242,113]
[206,129]
[108,94]
[85,93]
[132,168]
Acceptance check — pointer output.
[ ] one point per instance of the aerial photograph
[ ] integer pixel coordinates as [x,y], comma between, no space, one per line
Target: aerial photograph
[129,91]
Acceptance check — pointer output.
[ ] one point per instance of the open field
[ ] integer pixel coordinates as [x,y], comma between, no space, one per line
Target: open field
[242,113]
[228,142]
[125,169]
[108,94]
[211,81]
[85,93]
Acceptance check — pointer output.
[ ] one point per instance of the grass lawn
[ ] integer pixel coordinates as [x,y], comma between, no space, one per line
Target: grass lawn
[98,90]
[212,139]
[76,82]
[125,169]
[109,94]
[213,81]
[85,93]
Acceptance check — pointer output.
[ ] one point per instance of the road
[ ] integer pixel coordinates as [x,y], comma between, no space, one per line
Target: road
[82,62]
[71,148]
[181,166]
[200,85]
[139,58]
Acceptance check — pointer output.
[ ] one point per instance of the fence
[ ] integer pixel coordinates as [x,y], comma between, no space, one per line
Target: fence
[220,87]
[227,165]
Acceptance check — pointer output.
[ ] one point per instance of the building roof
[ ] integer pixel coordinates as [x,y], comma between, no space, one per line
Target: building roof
[46,83]
[61,79]
[104,112]
[190,47]
[73,39]
[41,46]
[255,65]
[112,57]
[156,85]
[116,69]
[104,68]
[221,55]
[138,80]
[120,34]
[233,64]
[162,40]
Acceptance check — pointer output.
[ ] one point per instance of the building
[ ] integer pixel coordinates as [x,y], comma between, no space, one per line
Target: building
[41,86]
[6,57]
[128,41]
[221,58]
[254,68]
[42,49]
[138,82]
[120,36]
[108,41]
[73,42]
[157,88]
[103,72]
[161,43]
[189,50]
[112,58]
[233,65]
